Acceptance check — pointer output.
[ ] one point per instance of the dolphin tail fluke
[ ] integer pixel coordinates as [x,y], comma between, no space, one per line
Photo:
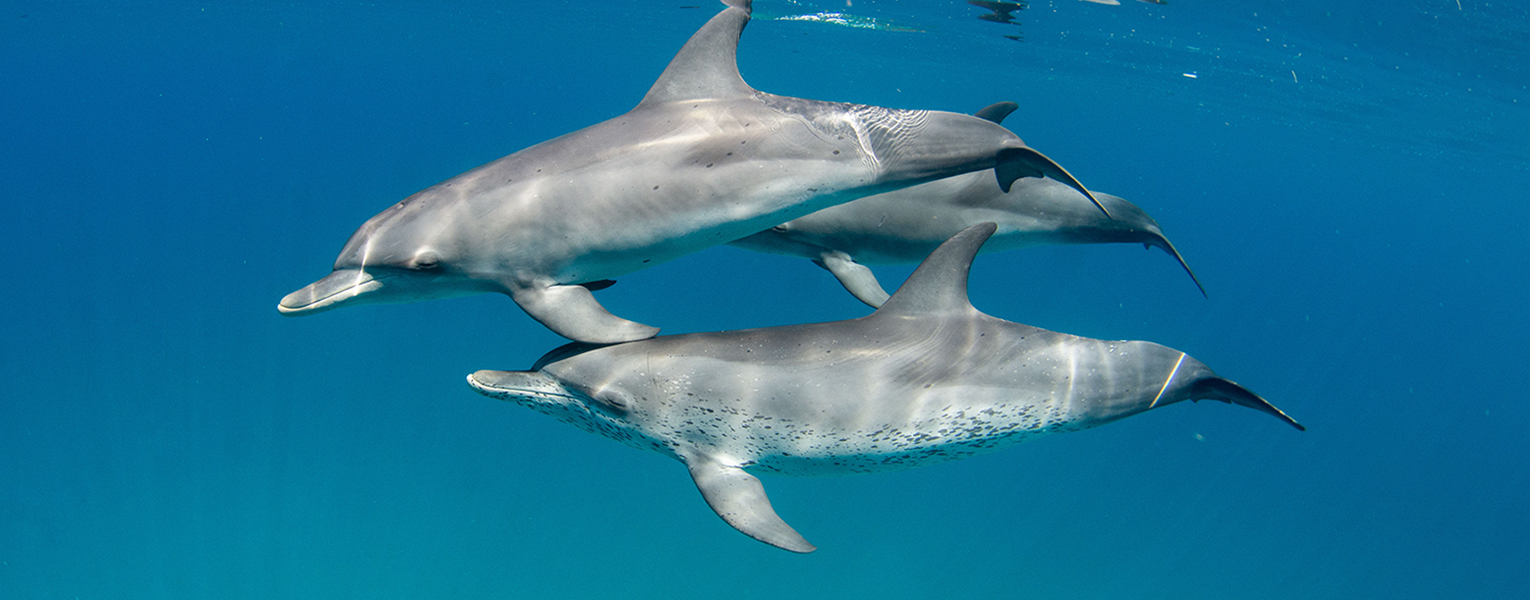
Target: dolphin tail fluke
[1015,163]
[1217,388]
[572,312]
[1168,246]
[740,500]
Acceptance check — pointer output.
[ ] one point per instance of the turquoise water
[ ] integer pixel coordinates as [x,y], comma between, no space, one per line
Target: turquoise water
[1349,182]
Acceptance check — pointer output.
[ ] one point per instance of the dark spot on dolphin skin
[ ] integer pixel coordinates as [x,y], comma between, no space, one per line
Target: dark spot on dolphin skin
[743,142]
[730,154]
[655,187]
[836,152]
[709,165]
[810,190]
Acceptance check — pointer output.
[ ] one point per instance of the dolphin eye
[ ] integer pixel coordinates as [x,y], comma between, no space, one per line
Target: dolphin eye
[426,260]
[613,401]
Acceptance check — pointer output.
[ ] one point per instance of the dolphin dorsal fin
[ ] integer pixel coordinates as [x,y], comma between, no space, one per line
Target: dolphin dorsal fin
[940,283]
[996,112]
[706,68]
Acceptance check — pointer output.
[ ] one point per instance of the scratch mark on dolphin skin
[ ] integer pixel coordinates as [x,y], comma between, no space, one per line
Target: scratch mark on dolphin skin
[361,272]
[1177,363]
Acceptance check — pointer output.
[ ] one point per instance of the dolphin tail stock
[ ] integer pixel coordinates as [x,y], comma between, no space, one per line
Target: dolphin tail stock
[740,500]
[1217,388]
[1015,163]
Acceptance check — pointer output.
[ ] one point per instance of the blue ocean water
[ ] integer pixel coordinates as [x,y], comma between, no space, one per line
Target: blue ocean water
[1350,182]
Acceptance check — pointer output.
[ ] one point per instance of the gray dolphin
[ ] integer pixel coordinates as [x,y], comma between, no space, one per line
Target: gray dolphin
[903,226]
[704,159]
[926,378]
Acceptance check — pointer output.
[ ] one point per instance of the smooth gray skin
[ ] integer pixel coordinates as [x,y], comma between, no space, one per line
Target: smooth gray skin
[903,226]
[926,378]
[703,160]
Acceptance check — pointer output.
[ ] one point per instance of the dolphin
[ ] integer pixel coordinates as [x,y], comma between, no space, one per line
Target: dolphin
[903,226]
[1002,11]
[924,379]
[704,159]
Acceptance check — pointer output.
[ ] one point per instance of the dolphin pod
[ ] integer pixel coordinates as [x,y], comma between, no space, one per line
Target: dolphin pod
[926,378]
[703,160]
[902,227]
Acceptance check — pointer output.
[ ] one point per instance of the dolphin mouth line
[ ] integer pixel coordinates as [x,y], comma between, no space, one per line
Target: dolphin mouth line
[528,392]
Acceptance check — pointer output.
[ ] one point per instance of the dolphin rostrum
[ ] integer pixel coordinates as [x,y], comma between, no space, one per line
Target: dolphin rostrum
[903,226]
[926,378]
[703,160]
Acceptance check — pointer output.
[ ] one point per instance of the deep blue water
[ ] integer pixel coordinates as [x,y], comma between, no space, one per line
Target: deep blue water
[1350,182]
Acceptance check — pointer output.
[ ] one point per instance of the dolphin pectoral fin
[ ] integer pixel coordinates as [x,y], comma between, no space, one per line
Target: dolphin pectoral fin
[596,286]
[856,278]
[1015,163]
[572,312]
[740,500]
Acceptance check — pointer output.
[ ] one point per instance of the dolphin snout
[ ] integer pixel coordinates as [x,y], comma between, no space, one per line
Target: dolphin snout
[328,293]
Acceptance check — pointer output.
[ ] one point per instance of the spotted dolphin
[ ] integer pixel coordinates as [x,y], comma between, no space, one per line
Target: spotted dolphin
[704,159]
[903,226]
[924,379]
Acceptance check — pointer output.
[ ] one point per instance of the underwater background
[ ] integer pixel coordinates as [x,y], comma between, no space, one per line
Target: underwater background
[1349,180]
